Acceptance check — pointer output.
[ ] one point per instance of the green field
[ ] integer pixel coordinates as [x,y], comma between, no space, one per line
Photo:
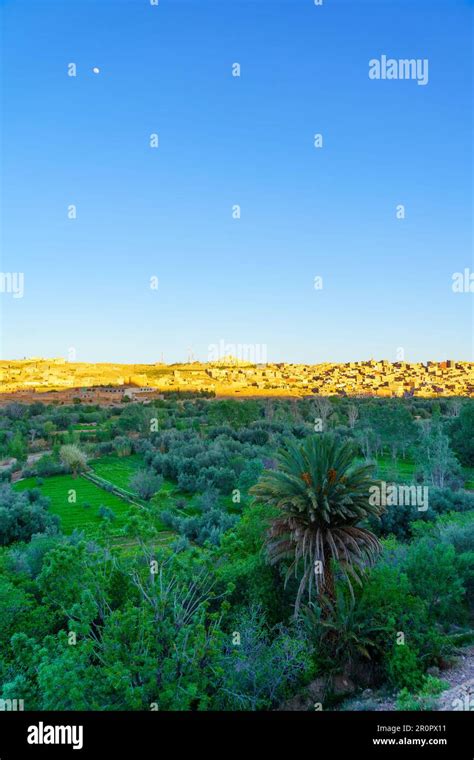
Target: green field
[388,468]
[117,470]
[75,515]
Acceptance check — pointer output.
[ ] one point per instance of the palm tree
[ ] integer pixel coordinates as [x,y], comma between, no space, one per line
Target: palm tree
[321,495]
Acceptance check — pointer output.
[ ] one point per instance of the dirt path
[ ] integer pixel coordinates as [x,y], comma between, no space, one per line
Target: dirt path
[461,678]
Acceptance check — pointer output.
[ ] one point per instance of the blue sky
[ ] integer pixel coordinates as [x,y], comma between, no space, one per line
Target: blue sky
[167,212]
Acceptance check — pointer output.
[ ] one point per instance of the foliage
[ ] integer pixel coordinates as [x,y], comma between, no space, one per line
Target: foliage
[22,515]
[398,519]
[341,635]
[73,458]
[440,466]
[321,496]
[196,617]
[146,484]
[433,577]
[208,526]
[424,698]
[404,668]
[261,667]
[461,434]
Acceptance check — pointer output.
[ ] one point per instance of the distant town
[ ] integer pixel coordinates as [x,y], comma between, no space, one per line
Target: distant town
[60,381]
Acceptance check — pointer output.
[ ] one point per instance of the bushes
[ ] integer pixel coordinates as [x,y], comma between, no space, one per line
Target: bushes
[443,500]
[49,465]
[433,577]
[388,602]
[398,520]
[459,532]
[139,639]
[341,636]
[221,478]
[404,668]
[44,467]
[122,446]
[424,698]
[418,592]
[106,513]
[206,527]
[145,483]
[241,562]
[250,474]
[24,514]
[461,434]
[197,464]
[103,449]
[261,667]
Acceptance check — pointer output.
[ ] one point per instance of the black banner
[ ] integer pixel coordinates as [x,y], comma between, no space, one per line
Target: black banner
[378,734]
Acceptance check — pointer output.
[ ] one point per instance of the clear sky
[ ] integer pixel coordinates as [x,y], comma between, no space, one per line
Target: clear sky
[167,212]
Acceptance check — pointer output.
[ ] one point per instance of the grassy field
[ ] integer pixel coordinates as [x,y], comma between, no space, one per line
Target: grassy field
[118,470]
[388,468]
[75,515]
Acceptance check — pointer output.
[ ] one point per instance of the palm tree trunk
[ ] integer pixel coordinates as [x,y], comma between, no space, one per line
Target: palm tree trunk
[328,589]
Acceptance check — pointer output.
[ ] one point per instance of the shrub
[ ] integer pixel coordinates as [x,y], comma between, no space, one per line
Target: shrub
[123,446]
[106,513]
[431,570]
[403,668]
[102,449]
[24,514]
[398,520]
[145,483]
[265,667]
[206,527]
[73,458]
[459,532]
[425,698]
[49,465]
[461,433]
[181,544]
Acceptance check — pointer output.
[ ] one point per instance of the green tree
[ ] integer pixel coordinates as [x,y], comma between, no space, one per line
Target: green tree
[145,483]
[321,496]
[436,458]
[74,459]
[49,429]
[461,433]
[18,448]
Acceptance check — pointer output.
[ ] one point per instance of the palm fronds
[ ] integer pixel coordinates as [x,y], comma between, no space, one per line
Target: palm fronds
[321,495]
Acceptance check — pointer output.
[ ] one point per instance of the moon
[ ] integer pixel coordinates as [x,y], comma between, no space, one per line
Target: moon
[96,70]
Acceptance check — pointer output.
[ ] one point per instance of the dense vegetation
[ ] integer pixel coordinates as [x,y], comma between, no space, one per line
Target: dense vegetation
[202,554]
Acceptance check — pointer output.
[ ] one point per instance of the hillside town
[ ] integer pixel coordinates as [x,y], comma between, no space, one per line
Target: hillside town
[56,380]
